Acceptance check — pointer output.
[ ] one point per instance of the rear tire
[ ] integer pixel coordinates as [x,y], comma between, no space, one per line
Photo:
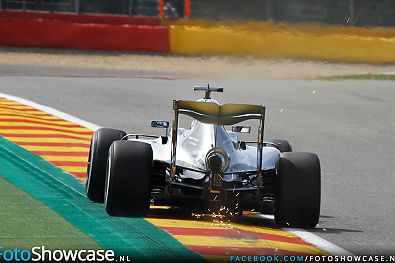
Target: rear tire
[98,155]
[128,179]
[282,145]
[298,190]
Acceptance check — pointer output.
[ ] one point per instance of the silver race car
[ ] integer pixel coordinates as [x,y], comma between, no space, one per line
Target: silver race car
[205,167]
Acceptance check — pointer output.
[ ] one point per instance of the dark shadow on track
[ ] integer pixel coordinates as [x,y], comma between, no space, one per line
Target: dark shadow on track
[322,216]
[334,230]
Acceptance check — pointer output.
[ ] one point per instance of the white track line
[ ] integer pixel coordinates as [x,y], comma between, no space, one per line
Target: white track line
[314,239]
[303,234]
[318,241]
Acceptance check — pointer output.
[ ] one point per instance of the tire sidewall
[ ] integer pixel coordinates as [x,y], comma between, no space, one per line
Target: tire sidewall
[98,154]
[298,195]
[128,179]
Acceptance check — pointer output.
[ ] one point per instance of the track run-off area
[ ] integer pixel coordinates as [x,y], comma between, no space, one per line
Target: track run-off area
[348,124]
[65,145]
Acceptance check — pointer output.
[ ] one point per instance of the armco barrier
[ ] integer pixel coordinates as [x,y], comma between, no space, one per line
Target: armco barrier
[82,18]
[58,34]
[269,40]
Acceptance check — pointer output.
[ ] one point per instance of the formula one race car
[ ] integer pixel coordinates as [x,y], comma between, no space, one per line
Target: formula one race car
[205,167]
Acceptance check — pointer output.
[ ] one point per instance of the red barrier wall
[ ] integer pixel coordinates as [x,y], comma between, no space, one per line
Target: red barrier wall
[82,18]
[57,34]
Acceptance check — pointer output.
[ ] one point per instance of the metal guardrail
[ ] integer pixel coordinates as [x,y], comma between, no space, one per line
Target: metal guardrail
[345,12]
[123,7]
[43,5]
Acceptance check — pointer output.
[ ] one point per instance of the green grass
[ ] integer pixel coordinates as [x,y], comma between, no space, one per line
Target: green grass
[359,77]
[26,222]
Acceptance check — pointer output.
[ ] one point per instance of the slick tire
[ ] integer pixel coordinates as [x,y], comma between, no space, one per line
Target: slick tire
[98,155]
[128,179]
[298,194]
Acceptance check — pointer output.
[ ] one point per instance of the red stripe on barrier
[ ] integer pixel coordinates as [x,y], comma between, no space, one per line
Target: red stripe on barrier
[236,233]
[83,18]
[55,34]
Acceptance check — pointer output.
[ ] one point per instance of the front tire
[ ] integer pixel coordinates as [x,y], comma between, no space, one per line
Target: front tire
[98,155]
[298,196]
[128,179]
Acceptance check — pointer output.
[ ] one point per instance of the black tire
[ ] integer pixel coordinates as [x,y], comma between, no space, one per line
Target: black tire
[282,145]
[128,179]
[298,196]
[98,155]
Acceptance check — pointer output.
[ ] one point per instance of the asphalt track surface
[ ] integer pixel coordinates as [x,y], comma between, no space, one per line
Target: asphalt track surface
[349,124]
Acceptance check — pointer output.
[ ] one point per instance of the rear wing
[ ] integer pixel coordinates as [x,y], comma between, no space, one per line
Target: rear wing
[212,113]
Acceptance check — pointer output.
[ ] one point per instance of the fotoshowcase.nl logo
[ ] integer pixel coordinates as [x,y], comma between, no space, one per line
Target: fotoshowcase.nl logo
[39,254]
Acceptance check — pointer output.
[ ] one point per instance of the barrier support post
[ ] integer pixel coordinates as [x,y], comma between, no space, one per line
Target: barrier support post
[187,8]
[77,6]
[269,15]
[161,8]
[351,6]
[130,12]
